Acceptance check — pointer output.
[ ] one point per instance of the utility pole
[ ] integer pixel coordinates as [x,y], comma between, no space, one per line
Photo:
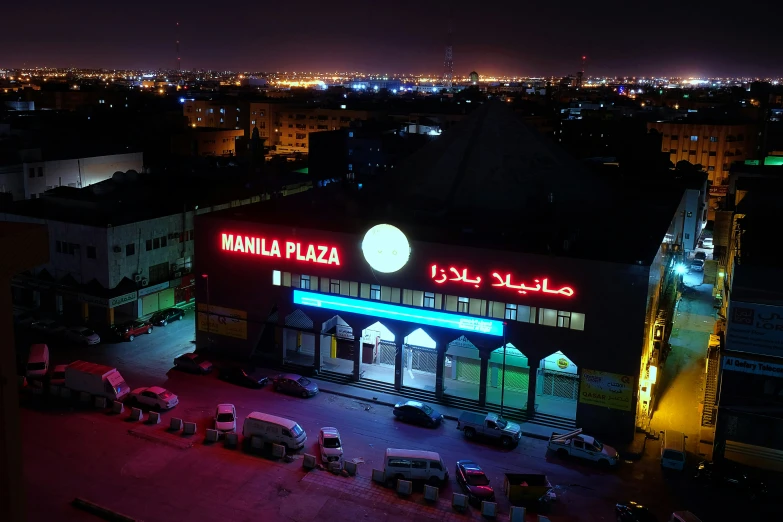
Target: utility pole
[179,60]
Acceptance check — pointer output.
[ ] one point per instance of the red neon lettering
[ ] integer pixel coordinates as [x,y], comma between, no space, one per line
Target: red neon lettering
[453,274]
[264,247]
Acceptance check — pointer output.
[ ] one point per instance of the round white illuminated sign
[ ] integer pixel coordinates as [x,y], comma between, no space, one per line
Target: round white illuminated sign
[386,248]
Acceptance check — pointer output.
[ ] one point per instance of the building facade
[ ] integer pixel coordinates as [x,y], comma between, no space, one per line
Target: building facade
[715,147]
[437,318]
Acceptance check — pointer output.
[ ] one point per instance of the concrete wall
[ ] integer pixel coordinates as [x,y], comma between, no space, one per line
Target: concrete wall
[80,172]
[12,180]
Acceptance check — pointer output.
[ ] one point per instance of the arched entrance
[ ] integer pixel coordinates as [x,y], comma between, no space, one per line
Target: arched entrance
[419,361]
[298,340]
[511,386]
[557,386]
[337,346]
[378,353]
[462,369]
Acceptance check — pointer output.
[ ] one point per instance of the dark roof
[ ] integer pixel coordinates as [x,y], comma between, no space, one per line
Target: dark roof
[492,182]
[131,197]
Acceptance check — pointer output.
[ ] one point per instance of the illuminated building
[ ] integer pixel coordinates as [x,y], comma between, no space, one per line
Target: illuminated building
[714,146]
[486,272]
[206,142]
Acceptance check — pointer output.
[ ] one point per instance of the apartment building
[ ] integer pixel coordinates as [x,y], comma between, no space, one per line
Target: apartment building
[293,126]
[215,114]
[714,146]
[206,142]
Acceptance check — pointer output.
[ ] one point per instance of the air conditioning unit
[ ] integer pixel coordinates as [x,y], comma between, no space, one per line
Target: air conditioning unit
[137,277]
[117,249]
[145,281]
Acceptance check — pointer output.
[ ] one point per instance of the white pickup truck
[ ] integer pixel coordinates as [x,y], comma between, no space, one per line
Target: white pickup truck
[575,444]
[490,426]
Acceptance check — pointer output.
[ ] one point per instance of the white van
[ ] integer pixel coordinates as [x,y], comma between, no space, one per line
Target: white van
[38,362]
[673,449]
[276,430]
[414,465]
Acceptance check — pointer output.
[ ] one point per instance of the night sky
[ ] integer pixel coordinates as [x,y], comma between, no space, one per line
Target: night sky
[529,38]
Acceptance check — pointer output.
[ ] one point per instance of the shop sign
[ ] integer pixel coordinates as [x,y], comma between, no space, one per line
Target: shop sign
[755,328]
[343,331]
[114,302]
[293,250]
[154,288]
[93,300]
[610,390]
[719,190]
[222,321]
[441,275]
[756,367]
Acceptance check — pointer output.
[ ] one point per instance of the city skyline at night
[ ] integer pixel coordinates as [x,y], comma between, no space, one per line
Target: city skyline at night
[310,36]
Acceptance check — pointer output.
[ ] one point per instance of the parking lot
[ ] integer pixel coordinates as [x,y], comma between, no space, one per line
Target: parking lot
[146,472]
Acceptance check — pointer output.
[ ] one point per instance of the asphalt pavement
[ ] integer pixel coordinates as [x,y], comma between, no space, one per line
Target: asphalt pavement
[148,473]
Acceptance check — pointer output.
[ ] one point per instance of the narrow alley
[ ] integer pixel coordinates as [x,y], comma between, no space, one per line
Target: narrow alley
[681,391]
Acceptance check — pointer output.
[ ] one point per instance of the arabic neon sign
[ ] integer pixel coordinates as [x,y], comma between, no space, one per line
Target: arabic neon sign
[294,250]
[399,313]
[453,274]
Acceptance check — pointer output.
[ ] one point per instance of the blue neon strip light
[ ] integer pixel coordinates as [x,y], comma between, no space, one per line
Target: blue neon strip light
[399,313]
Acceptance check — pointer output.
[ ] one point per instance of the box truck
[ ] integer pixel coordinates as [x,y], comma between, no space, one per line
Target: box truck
[96,379]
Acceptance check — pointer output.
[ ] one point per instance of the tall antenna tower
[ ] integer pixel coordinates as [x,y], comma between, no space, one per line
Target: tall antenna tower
[448,62]
[179,60]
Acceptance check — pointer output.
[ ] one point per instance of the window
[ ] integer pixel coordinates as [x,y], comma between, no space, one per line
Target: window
[694,138]
[90,252]
[31,172]
[690,213]
[564,319]
[40,172]
[675,136]
[149,245]
[163,241]
[714,139]
[548,317]
[72,248]
[304,282]
[130,249]
[511,312]
[334,286]
[710,168]
[253,122]
[713,153]
[156,243]
[463,304]
[429,299]
[350,134]
[577,321]
[276,277]
[692,152]
[740,137]
[58,246]
[375,292]
[672,151]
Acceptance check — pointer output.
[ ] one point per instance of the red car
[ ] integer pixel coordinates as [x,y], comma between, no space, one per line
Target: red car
[129,331]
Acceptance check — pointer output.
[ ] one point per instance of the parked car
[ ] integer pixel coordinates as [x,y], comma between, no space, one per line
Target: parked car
[243,377]
[697,265]
[417,412]
[169,315]
[295,385]
[633,512]
[330,445]
[490,426]
[58,375]
[25,317]
[133,329]
[474,482]
[48,326]
[155,397]
[730,476]
[700,255]
[82,335]
[193,363]
[225,418]
[583,446]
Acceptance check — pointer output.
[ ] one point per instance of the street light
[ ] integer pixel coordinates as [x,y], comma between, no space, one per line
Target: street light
[209,309]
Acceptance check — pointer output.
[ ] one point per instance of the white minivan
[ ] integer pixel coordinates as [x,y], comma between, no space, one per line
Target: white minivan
[274,429]
[673,449]
[402,464]
[38,362]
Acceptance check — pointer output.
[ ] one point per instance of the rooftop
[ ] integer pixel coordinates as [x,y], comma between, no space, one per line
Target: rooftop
[493,182]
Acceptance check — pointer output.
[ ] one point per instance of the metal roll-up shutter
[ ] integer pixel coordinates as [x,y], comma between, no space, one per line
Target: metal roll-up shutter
[563,385]
[386,354]
[517,378]
[423,359]
[468,370]
[166,298]
[149,304]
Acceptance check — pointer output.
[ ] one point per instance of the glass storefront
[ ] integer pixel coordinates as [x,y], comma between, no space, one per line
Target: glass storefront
[514,383]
